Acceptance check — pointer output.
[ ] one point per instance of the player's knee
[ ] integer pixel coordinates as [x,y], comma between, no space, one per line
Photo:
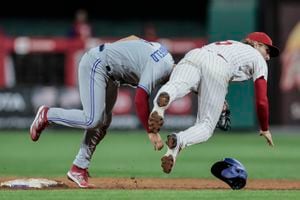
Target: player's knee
[210,130]
[207,136]
[94,123]
[210,133]
[207,132]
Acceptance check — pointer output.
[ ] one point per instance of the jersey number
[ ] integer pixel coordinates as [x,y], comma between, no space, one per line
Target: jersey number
[223,43]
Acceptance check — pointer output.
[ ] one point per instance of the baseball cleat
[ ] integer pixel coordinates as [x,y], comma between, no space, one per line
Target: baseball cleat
[78,176]
[168,160]
[156,118]
[155,122]
[163,99]
[167,163]
[171,141]
[39,123]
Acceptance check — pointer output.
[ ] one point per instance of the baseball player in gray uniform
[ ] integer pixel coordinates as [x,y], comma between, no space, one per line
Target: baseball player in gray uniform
[131,61]
[208,71]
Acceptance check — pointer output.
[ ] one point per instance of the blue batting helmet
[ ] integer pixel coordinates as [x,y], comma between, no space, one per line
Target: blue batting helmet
[231,171]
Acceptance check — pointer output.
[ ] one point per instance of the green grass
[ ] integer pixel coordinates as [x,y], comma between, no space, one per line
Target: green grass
[148,195]
[124,154]
[130,154]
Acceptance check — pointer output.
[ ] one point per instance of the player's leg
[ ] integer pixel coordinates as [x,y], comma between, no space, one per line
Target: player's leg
[183,79]
[92,85]
[200,132]
[92,137]
[211,96]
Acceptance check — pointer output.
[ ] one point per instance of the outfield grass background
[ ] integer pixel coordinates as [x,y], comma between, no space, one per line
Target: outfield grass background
[130,154]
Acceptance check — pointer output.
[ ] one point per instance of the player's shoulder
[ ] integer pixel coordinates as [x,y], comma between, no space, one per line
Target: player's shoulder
[256,56]
[129,38]
[246,47]
[155,45]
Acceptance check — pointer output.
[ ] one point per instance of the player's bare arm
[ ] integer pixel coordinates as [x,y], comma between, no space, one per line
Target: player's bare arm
[156,141]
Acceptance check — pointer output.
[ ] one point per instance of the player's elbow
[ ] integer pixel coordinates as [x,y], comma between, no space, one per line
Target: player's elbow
[262,103]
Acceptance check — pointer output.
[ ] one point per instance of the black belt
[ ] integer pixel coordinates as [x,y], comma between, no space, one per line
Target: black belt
[101,47]
[108,69]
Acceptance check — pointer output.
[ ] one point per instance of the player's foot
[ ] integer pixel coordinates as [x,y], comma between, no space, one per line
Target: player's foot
[163,99]
[156,118]
[167,163]
[171,141]
[39,123]
[79,176]
[168,160]
[155,122]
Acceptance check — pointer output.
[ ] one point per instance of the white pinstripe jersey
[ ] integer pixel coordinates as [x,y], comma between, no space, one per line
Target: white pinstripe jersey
[139,63]
[245,61]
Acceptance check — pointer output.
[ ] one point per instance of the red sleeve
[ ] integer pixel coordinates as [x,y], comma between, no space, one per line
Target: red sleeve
[262,104]
[142,106]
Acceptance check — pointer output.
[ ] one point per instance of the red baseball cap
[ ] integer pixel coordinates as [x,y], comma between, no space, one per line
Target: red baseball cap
[265,39]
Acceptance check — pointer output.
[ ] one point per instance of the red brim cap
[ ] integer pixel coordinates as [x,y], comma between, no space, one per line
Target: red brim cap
[265,39]
[274,51]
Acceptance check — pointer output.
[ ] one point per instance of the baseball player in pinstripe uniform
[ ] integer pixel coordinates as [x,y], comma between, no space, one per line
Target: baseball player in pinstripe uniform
[131,61]
[208,71]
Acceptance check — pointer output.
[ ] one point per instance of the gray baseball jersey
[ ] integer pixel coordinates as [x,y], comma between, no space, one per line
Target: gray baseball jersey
[135,62]
[208,71]
[139,63]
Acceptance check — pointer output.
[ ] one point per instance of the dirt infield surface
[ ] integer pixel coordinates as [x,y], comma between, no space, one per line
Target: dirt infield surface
[179,183]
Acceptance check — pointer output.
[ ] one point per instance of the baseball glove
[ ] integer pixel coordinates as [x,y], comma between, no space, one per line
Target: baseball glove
[224,122]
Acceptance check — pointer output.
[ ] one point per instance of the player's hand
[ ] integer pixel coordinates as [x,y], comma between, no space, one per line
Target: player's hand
[156,141]
[267,134]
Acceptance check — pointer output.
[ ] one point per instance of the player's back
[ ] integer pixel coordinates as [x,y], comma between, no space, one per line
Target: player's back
[234,52]
[128,59]
[243,59]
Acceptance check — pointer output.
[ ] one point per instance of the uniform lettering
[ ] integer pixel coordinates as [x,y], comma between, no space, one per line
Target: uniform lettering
[159,54]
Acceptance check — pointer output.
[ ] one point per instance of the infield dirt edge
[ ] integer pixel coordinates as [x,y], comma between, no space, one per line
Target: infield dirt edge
[173,183]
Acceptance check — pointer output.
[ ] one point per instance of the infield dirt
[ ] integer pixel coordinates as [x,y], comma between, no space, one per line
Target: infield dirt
[174,183]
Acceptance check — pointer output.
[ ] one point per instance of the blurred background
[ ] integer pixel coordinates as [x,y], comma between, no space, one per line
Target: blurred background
[40,47]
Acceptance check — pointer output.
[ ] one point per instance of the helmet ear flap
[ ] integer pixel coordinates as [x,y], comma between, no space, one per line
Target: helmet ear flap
[231,172]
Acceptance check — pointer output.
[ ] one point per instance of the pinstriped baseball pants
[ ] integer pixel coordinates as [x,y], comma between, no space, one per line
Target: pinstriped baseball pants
[208,74]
